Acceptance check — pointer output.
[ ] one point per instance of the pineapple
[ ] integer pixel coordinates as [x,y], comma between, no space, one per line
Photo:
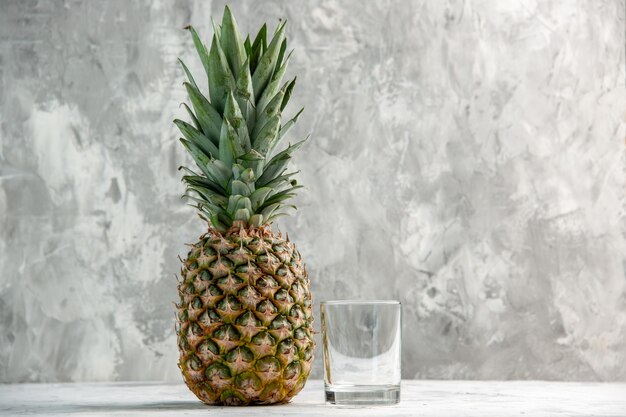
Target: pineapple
[244,320]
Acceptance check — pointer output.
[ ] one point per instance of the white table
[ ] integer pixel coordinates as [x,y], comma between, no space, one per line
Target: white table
[419,398]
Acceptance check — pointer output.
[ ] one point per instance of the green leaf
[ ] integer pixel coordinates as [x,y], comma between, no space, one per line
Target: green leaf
[217,223]
[237,170]
[200,47]
[287,95]
[211,209]
[248,177]
[272,109]
[217,30]
[242,214]
[274,85]
[279,197]
[189,171]
[267,211]
[277,214]
[245,96]
[197,180]
[285,128]
[197,138]
[219,226]
[267,135]
[251,155]
[256,220]
[209,195]
[256,166]
[273,169]
[237,139]
[195,121]
[226,218]
[198,200]
[209,119]
[243,141]
[240,187]
[280,181]
[232,202]
[201,201]
[230,147]
[277,164]
[258,48]
[290,149]
[257,198]
[243,202]
[221,80]
[189,76]
[215,170]
[267,63]
[213,180]
[244,93]
[281,53]
[247,46]
[220,171]
[198,156]
[231,42]
[232,113]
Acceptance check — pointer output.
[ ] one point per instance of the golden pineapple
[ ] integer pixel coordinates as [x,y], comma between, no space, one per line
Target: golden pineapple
[244,317]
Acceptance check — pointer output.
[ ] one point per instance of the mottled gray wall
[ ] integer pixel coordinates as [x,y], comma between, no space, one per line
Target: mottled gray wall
[466,157]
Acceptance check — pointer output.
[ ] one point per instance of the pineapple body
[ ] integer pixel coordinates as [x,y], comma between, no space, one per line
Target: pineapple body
[245,321]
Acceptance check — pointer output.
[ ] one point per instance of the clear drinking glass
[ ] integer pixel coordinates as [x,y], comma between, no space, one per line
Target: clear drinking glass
[362,345]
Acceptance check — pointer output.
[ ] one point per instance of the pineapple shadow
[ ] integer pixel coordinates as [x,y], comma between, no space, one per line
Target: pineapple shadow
[109,407]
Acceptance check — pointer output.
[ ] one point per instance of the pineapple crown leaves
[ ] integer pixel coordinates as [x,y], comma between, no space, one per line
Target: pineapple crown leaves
[234,132]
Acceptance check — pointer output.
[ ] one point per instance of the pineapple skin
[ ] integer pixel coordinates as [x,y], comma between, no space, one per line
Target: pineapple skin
[245,319]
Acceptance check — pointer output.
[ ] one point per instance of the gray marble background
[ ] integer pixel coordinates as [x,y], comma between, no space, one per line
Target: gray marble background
[467,158]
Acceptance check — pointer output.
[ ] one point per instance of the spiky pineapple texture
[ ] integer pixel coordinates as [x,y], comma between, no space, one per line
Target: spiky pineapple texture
[244,318]
[234,134]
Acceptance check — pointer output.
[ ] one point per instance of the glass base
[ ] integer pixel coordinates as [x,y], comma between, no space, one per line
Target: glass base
[363,394]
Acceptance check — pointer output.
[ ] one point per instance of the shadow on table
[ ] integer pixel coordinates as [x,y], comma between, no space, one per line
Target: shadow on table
[117,407]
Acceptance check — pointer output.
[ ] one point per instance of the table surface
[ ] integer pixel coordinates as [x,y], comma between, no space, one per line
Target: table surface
[419,398]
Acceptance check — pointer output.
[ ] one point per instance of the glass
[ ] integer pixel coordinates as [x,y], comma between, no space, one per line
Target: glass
[362,345]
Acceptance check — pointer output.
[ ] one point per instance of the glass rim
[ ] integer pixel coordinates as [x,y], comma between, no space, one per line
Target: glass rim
[360,302]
